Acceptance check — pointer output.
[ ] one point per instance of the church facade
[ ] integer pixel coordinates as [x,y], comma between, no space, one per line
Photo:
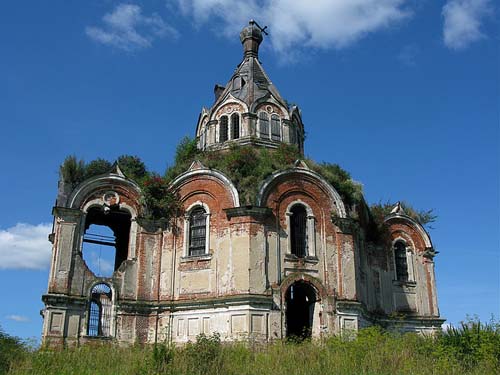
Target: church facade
[293,263]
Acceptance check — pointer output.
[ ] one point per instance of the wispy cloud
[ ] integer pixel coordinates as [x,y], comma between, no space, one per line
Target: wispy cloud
[462,22]
[320,24]
[128,29]
[25,246]
[18,318]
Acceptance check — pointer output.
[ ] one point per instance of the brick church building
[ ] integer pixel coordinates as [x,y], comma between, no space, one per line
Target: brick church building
[295,263]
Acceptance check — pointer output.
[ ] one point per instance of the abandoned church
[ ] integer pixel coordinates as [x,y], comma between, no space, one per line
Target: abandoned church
[291,257]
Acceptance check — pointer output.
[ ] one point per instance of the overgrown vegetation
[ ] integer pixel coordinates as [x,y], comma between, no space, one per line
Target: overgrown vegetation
[472,348]
[246,167]
[12,350]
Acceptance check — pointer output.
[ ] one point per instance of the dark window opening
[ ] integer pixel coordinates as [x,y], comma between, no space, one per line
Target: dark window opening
[100,311]
[197,232]
[293,134]
[275,128]
[235,125]
[298,230]
[223,129]
[264,125]
[105,241]
[238,83]
[300,300]
[401,261]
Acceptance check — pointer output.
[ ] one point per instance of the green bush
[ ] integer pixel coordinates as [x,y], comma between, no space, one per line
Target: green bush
[12,349]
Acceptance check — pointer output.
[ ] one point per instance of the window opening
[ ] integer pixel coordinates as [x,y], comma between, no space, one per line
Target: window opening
[264,125]
[197,231]
[275,128]
[105,240]
[100,311]
[235,125]
[223,129]
[401,261]
[300,301]
[293,134]
[298,229]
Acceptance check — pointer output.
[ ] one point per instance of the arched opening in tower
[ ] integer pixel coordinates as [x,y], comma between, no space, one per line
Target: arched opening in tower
[300,301]
[105,241]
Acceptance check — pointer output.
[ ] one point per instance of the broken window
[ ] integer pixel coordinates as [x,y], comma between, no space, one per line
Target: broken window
[106,240]
[235,125]
[223,129]
[100,311]
[264,125]
[401,261]
[298,230]
[197,231]
[275,128]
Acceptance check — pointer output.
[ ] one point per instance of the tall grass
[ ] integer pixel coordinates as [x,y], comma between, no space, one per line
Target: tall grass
[472,348]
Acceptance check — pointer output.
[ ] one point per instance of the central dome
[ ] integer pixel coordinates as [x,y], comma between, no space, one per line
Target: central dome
[249,110]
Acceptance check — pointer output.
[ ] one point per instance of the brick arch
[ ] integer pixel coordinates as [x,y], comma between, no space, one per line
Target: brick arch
[403,224]
[303,277]
[301,174]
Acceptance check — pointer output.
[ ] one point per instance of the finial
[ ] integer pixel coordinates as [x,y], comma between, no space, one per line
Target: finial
[251,37]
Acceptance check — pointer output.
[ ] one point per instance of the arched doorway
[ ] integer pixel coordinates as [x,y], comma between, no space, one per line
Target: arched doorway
[300,301]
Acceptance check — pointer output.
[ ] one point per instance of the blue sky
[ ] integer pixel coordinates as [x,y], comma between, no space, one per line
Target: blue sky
[403,94]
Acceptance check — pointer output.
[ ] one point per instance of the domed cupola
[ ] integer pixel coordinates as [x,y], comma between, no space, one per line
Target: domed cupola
[249,110]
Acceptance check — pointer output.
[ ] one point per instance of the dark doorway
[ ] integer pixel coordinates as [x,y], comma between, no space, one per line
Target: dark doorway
[300,299]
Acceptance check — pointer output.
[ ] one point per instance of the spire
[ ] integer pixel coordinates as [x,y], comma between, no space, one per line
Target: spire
[251,37]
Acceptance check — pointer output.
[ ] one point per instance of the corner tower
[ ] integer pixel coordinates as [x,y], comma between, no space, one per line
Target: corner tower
[249,110]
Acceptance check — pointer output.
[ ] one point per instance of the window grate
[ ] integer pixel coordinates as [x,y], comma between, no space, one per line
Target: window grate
[100,311]
[197,232]
[275,128]
[264,125]
[298,226]
[401,261]
[235,125]
[223,129]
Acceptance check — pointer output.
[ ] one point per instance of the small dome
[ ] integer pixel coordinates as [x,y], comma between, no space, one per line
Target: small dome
[251,37]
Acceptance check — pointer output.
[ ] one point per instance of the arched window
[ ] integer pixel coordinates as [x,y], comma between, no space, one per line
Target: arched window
[264,125]
[197,232]
[298,230]
[223,129]
[235,126]
[105,243]
[100,311]
[275,128]
[400,261]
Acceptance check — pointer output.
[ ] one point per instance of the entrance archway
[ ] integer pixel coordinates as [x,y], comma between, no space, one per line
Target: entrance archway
[300,301]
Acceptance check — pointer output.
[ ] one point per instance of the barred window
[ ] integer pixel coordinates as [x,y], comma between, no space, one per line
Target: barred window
[197,231]
[298,230]
[275,128]
[235,125]
[100,311]
[264,125]
[223,129]
[401,261]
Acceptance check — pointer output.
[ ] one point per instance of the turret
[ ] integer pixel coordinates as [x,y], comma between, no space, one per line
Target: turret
[249,110]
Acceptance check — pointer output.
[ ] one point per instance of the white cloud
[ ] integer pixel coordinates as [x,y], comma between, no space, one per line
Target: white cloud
[292,23]
[462,22]
[25,246]
[128,29]
[18,318]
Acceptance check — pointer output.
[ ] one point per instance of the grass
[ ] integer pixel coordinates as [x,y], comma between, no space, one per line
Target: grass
[472,348]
